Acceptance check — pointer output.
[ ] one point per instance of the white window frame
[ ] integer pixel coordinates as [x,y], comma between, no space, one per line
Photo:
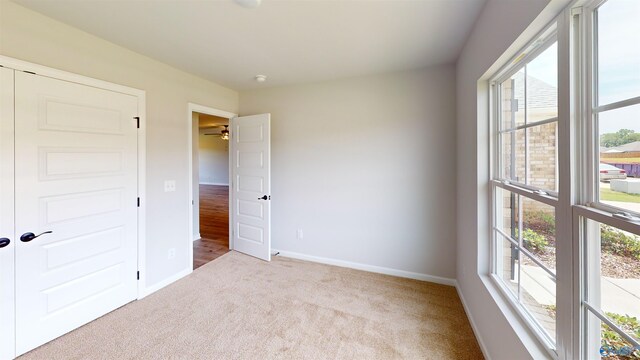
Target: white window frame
[590,208]
[578,188]
[539,43]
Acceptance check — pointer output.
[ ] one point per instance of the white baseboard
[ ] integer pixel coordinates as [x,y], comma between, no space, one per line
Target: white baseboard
[214,183]
[155,287]
[197,237]
[483,347]
[369,268]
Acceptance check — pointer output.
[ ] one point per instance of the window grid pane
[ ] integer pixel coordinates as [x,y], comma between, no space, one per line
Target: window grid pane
[619,160]
[617,54]
[524,229]
[612,257]
[527,124]
[524,233]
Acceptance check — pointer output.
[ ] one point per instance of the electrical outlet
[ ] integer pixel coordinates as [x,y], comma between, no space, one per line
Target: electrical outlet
[171,254]
[169,185]
[300,234]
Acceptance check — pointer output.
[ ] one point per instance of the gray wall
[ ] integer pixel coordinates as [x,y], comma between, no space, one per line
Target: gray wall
[213,159]
[366,168]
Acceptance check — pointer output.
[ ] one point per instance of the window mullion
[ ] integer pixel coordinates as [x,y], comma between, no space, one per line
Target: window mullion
[618,104]
[565,290]
[526,131]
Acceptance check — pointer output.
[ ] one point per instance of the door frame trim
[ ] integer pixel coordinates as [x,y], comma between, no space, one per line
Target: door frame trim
[191,108]
[21,65]
[7,223]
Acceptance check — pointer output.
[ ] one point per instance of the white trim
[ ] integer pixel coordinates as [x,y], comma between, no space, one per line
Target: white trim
[607,218]
[213,183]
[191,108]
[474,327]
[7,216]
[618,104]
[541,196]
[20,65]
[166,282]
[197,237]
[365,267]
[142,194]
[210,111]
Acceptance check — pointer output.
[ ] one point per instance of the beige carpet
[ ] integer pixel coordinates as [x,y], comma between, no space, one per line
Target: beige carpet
[237,307]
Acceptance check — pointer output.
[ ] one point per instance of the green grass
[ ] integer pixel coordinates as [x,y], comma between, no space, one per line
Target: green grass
[610,195]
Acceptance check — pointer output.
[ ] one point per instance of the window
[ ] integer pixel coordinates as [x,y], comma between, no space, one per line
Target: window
[565,182]
[525,183]
[608,226]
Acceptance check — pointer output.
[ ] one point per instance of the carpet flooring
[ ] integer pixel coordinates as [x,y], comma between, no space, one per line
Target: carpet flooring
[238,307]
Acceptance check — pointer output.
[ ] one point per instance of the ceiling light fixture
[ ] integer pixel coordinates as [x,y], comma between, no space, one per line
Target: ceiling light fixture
[250,4]
[224,134]
[261,78]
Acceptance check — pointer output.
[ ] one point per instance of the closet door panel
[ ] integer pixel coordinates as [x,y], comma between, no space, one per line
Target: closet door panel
[76,182]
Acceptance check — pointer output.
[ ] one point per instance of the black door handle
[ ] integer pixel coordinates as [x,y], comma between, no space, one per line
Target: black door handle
[26,237]
[264,197]
[4,242]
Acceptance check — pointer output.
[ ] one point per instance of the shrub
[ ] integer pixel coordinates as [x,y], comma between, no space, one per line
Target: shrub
[617,242]
[546,221]
[534,241]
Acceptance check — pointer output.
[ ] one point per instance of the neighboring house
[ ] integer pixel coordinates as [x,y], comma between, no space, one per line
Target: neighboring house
[630,150]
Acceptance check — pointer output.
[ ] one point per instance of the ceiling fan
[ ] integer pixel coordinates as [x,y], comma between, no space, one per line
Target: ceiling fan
[224,134]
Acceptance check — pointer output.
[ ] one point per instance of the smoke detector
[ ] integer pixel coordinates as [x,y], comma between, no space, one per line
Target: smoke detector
[261,78]
[251,4]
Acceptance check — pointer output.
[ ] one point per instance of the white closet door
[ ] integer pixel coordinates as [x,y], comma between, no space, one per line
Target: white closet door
[7,310]
[251,192]
[76,175]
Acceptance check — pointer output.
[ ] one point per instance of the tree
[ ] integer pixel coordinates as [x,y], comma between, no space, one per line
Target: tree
[623,136]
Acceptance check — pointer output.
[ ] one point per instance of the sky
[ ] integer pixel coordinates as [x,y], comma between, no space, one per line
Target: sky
[619,62]
[618,38]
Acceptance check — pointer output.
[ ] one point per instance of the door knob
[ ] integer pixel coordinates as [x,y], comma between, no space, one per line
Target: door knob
[4,242]
[264,197]
[26,237]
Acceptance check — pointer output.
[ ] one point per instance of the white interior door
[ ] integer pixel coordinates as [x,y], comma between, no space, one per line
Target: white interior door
[251,188]
[7,239]
[76,176]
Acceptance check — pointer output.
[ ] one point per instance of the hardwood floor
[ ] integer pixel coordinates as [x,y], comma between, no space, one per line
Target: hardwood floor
[214,224]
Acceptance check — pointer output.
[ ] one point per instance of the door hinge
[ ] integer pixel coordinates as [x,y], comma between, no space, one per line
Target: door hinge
[138,275]
[138,202]
[137,118]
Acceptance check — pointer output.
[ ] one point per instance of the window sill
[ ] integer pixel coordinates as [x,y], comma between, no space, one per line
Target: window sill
[535,347]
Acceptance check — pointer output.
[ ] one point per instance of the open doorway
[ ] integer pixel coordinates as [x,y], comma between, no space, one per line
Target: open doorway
[210,184]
